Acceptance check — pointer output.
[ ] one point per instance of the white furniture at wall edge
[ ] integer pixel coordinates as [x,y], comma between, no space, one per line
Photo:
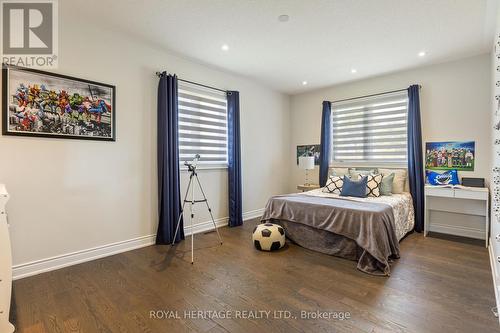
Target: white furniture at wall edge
[495,267]
[460,211]
[5,265]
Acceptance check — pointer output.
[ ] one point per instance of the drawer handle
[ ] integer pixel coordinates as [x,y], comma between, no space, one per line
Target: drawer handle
[497,237]
[498,258]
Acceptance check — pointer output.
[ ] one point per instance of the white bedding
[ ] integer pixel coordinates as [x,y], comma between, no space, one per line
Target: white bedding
[402,207]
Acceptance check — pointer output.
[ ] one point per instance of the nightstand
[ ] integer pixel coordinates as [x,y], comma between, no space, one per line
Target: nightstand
[308,187]
[460,210]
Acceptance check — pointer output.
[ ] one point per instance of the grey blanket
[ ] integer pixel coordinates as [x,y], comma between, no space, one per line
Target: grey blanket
[370,225]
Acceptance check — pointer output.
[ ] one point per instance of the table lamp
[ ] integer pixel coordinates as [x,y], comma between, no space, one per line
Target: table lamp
[306,163]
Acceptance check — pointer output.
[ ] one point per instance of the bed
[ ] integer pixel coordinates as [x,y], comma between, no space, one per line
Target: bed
[367,230]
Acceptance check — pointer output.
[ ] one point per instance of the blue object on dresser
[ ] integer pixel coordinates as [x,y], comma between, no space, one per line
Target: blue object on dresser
[449,177]
[354,188]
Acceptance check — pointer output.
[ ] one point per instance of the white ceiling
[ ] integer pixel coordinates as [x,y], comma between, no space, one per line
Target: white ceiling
[322,41]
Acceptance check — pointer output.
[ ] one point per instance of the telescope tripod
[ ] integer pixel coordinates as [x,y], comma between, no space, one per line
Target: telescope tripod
[192,202]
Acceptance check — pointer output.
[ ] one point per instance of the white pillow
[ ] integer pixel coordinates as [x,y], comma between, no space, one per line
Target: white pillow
[339,171]
[334,184]
[398,186]
[373,184]
[356,174]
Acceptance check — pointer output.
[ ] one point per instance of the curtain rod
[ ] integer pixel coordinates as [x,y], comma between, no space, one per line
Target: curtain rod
[382,93]
[160,74]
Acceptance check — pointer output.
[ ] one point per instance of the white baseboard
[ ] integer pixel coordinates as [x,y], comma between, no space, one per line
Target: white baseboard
[49,264]
[457,230]
[203,226]
[253,214]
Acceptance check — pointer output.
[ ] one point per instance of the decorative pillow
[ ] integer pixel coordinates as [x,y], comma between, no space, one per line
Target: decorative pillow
[386,185]
[398,185]
[354,188]
[354,173]
[340,171]
[449,177]
[373,185]
[334,185]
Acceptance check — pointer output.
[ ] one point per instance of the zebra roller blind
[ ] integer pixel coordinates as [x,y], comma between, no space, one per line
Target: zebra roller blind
[370,129]
[202,124]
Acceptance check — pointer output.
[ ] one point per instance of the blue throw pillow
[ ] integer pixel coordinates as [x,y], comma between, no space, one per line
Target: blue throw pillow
[446,178]
[354,188]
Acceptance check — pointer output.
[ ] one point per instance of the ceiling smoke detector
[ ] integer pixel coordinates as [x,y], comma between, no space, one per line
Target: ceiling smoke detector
[283,18]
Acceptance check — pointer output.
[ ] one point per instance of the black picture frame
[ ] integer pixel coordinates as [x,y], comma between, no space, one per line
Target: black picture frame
[7,70]
[309,150]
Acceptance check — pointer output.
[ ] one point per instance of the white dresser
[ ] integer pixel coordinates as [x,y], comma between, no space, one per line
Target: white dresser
[5,265]
[461,211]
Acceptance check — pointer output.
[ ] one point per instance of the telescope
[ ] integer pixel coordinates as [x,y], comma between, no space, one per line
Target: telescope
[192,165]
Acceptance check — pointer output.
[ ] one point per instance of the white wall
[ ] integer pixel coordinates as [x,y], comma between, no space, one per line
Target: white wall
[72,195]
[454,101]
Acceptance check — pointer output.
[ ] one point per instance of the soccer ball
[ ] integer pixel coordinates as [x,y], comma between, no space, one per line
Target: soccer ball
[268,237]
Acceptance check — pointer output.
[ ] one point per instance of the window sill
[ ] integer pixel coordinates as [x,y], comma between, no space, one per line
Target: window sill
[199,168]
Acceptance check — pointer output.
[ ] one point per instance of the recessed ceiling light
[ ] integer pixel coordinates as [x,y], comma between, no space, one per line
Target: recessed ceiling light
[283,18]
[224,47]
[354,71]
[421,53]
[304,83]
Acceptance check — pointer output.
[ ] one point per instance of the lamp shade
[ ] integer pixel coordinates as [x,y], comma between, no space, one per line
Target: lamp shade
[306,162]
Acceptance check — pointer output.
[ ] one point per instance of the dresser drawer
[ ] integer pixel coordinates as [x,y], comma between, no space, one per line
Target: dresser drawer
[440,192]
[471,194]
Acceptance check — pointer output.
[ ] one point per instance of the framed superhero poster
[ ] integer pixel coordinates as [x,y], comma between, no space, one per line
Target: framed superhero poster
[42,104]
[450,155]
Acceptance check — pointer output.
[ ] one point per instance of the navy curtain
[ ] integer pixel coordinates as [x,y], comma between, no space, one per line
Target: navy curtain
[169,194]
[234,159]
[415,158]
[324,157]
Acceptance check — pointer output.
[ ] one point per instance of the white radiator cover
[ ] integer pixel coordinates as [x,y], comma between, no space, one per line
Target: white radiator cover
[5,265]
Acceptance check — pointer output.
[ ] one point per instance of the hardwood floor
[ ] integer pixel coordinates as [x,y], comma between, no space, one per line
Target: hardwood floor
[437,286]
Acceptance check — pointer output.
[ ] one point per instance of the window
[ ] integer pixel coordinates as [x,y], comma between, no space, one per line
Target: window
[202,124]
[370,130]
